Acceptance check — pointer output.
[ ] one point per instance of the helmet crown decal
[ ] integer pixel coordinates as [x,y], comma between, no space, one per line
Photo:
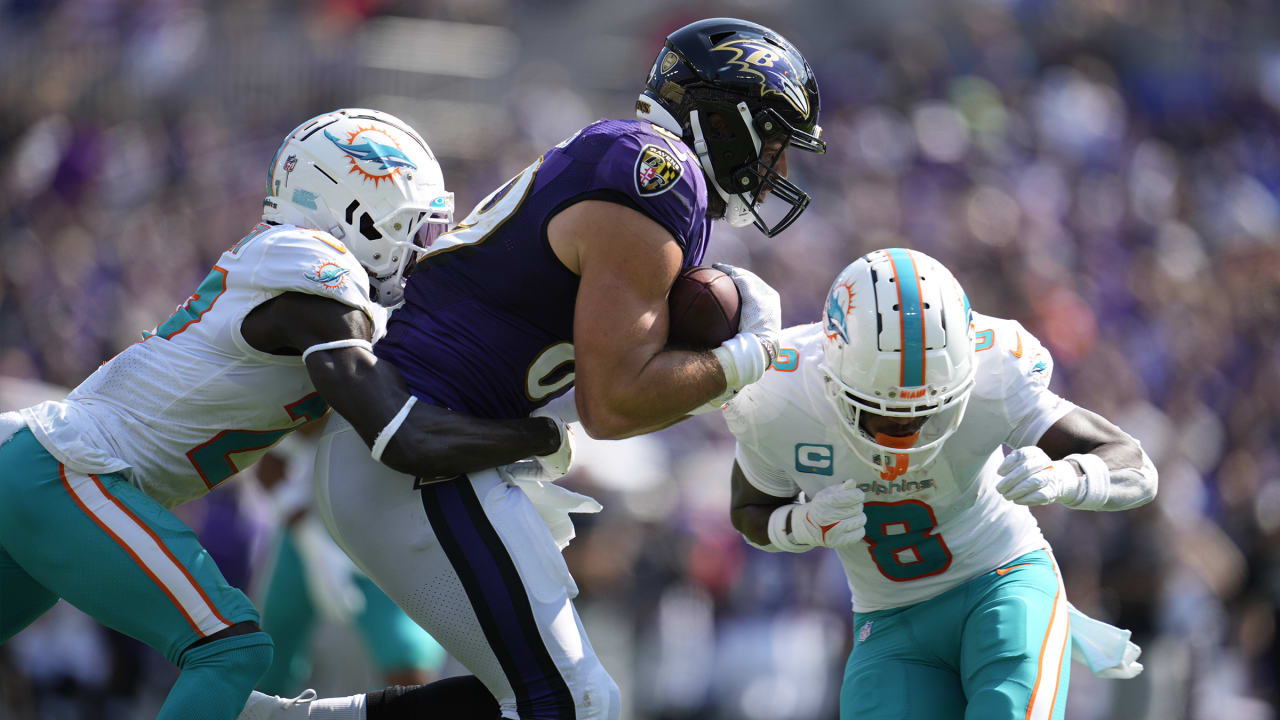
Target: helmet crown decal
[363,150]
[772,65]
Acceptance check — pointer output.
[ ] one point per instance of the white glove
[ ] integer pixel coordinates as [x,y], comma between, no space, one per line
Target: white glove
[834,518]
[1031,478]
[556,464]
[330,575]
[761,308]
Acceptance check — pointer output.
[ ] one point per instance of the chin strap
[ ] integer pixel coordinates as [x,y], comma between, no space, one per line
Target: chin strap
[703,152]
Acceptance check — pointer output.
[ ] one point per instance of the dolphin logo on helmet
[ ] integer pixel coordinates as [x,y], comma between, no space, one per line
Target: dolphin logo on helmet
[836,311]
[371,151]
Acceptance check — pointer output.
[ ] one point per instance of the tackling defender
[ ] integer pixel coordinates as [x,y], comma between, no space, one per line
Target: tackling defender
[277,333]
[959,609]
[560,277]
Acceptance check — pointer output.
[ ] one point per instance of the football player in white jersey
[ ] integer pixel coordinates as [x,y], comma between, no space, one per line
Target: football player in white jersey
[277,333]
[890,417]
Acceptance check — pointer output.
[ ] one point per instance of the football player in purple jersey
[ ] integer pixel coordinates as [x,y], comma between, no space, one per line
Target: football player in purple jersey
[559,278]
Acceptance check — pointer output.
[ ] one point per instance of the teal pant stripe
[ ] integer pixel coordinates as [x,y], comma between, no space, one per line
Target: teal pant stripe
[50,548]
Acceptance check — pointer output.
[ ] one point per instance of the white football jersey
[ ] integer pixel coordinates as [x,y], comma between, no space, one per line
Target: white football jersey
[928,529]
[192,403]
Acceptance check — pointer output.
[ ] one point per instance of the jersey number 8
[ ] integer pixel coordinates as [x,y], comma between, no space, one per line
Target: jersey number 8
[903,545]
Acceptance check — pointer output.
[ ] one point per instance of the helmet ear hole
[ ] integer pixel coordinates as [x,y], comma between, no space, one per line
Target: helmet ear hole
[367,229]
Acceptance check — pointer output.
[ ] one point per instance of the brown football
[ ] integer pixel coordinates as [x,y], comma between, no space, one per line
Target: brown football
[704,308]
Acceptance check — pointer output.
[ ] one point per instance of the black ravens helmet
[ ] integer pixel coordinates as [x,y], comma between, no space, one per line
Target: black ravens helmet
[735,90]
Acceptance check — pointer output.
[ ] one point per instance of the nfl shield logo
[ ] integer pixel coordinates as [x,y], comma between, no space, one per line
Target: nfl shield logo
[865,631]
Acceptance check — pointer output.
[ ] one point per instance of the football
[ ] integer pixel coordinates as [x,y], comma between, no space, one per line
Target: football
[704,309]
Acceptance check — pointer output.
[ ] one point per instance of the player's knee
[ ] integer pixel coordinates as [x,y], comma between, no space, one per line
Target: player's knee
[1000,701]
[256,659]
[244,657]
[596,695]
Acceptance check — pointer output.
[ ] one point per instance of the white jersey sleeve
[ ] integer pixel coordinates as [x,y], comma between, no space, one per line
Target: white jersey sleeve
[748,417]
[1024,367]
[292,259]
[765,415]
[193,402]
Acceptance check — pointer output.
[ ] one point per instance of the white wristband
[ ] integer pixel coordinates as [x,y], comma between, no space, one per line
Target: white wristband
[385,435]
[778,535]
[335,344]
[1095,484]
[743,358]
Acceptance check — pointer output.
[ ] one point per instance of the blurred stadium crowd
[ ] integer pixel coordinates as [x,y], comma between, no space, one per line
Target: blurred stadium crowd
[1105,171]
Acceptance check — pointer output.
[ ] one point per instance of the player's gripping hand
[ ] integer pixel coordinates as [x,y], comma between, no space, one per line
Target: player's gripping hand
[834,518]
[748,354]
[1029,477]
[556,464]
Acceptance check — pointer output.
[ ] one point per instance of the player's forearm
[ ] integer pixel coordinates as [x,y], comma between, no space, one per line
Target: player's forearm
[1123,478]
[664,390]
[437,443]
[429,441]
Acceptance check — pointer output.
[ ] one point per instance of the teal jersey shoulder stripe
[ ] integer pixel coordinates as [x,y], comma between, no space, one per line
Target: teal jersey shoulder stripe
[912,314]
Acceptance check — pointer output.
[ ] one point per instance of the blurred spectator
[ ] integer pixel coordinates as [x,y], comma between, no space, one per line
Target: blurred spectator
[1105,171]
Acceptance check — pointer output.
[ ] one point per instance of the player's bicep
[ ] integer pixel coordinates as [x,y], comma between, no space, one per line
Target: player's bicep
[750,508]
[351,379]
[359,387]
[745,494]
[291,322]
[627,263]
[1084,431]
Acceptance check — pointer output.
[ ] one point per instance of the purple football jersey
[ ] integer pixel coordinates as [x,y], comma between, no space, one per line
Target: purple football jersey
[487,323]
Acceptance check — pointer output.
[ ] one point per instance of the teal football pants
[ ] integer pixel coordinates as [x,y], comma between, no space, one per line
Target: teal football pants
[995,648]
[114,553]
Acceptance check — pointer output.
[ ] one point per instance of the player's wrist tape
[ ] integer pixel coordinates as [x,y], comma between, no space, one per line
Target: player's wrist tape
[389,430]
[336,344]
[778,535]
[744,358]
[1095,482]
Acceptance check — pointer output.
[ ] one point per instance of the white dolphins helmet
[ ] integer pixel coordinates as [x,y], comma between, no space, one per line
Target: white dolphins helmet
[368,179]
[898,343]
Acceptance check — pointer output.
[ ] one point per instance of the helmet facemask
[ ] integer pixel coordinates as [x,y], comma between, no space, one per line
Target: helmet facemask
[409,231]
[943,410]
[740,150]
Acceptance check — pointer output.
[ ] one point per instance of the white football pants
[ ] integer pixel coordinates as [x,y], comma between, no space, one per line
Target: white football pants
[472,562]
